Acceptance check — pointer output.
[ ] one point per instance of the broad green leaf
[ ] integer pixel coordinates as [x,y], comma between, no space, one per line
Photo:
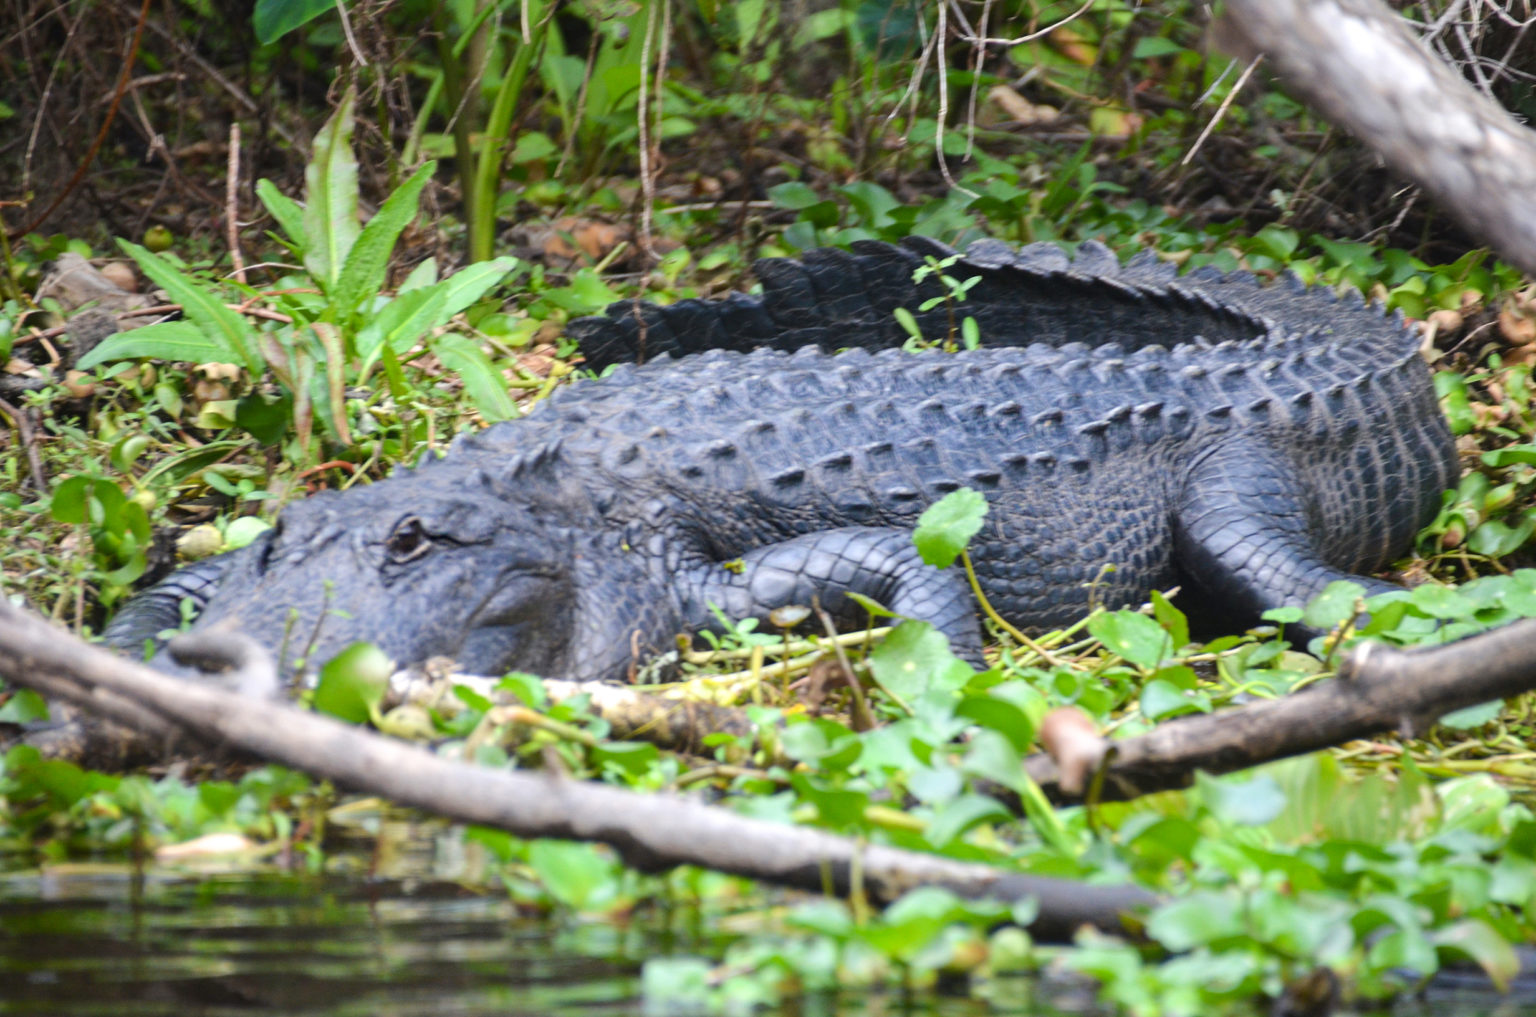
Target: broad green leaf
[273,19]
[68,504]
[288,213]
[484,383]
[948,525]
[1133,636]
[1161,699]
[169,340]
[1482,944]
[960,815]
[202,307]
[580,876]
[912,657]
[836,807]
[363,274]
[24,707]
[1334,606]
[1474,716]
[352,683]
[1201,918]
[1251,802]
[1008,719]
[330,197]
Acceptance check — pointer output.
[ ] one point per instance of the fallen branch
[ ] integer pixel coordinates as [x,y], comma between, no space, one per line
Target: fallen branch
[1379,688]
[1357,63]
[649,832]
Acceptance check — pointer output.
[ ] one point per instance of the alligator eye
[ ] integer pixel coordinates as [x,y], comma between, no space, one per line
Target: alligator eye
[408,541]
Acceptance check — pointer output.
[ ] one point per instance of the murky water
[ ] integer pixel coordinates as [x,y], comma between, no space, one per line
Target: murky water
[83,940]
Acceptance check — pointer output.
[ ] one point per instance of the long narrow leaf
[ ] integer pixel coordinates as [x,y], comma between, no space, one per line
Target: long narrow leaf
[335,379]
[469,284]
[363,274]
[400,323]
[330,197]
[288,213]
[169,340]
[404,320]
[226,328]
[485,385]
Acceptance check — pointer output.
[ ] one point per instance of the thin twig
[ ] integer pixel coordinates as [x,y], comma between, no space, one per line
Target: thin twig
[28,441]
[232,203]
[1032,36]
[1221,110]
[101,134]
[346,30]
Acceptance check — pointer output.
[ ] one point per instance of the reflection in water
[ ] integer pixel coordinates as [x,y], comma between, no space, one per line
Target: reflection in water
[79,941]
[104,940]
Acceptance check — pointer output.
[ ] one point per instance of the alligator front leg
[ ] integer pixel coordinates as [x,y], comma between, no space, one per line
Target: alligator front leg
[158,608]
[1243,535]
[824,568]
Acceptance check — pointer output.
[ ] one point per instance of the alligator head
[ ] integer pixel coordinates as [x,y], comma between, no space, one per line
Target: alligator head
[418,565]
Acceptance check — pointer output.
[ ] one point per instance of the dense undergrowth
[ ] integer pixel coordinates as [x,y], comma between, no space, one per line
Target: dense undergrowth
[347,350]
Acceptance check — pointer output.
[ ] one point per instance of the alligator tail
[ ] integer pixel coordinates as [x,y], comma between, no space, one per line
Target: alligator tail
[836,299]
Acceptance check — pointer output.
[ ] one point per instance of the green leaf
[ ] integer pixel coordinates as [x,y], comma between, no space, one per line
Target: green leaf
[948,525]
[402,322]
[24,707]
[911,658]
[961,814]
[288,213]
[484,383]
[1201,918]
[363,275]
[1510,455]
[353,682]
[266,421]
[1162,699]
[1473,716]
[1000,715]
[1481,943]
[1171,619]
[330,197]
[1334,606]
[1496,538]
[220,325]
[68,504]
[1456,401]
[836,807]
[273,19]
[169,340]
[1152,46]
[580,876]
[793,196]
[1133,636]
[1251,802]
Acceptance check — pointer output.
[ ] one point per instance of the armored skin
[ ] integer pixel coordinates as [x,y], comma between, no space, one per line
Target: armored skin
[1131,429]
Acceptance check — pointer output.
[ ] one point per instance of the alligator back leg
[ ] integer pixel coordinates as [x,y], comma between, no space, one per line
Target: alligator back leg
[824,568]
[1246,538]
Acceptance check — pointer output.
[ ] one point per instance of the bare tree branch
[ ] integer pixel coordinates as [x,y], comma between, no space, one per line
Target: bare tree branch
[649,832]
[1358,64]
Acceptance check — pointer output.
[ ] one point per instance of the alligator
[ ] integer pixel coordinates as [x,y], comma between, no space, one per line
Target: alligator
[1132,430]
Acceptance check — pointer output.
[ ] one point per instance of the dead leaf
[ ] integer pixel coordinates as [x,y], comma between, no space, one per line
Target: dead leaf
[1020,109]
